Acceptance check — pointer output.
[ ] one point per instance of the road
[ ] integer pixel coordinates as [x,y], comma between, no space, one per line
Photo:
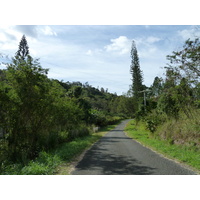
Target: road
[117,154]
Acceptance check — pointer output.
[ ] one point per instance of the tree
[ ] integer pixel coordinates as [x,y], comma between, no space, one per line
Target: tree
[187,61]
[23,50]
[33,108]
[182,77]
[136,72]
[27,106]
[156,87]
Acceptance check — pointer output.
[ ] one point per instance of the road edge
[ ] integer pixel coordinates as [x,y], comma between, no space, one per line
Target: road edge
[168,157]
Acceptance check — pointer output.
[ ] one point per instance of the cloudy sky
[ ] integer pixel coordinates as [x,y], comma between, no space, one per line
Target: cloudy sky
[98,54]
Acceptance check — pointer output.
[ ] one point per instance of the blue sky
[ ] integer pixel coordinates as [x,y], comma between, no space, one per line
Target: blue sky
[98,54]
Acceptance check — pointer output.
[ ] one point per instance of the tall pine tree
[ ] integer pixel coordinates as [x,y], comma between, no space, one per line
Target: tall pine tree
[137,78]
[23,50]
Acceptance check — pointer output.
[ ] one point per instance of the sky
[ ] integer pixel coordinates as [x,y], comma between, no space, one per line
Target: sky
[98,54]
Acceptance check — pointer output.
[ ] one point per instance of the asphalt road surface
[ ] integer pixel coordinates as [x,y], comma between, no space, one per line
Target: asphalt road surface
[117,154]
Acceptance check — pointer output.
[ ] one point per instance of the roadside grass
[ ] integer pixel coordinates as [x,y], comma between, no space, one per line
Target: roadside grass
[69,152]
[188,155]
[57,161]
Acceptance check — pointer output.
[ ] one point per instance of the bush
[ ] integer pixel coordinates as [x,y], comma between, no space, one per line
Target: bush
[113,120]
[154,119]
[43,165]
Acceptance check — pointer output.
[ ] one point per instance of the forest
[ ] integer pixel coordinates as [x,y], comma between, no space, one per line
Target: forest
[39,114]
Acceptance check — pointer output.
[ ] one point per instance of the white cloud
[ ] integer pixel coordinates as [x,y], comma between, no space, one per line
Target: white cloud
[8,34]
[94,52]
[3,37]
[152,40]
[147,41]
[121,45]
[31,31]
[190,33]
[89,53]
[9,38]
[48,31]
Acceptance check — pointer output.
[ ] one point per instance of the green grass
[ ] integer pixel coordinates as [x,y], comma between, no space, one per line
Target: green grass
[70,151]
[188,155]
[58,160]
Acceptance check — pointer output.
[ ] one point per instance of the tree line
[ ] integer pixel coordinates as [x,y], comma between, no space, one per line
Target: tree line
[38,114]
[170,107]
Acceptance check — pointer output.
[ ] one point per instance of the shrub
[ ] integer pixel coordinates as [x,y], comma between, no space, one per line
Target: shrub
[43,165]
[154,119]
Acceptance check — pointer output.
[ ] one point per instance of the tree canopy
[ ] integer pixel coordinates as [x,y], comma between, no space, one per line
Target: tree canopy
[23,50]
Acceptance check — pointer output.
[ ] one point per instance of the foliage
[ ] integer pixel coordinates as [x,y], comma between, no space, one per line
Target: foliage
[52,161]
[23,50]
[187,60]
[34,109]
[181,76]
[157,87]
[136,72]
[172,103]
[39,114]
[175,98]
[97,104]
[184,131]
[154,120]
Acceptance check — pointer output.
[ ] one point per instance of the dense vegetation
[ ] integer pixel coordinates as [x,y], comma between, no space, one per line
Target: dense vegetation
[172,110]
[38,114]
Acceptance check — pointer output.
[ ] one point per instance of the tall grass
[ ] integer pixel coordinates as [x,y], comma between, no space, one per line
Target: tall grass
[188,154]
[47,162]
[184,131]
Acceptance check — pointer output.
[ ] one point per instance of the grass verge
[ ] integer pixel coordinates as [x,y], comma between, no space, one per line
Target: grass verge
[70,152]
[188,155]
[57,161]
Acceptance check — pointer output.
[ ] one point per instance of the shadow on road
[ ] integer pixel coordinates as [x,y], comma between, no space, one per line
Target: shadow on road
[100,161]
[115,139]
[116,154]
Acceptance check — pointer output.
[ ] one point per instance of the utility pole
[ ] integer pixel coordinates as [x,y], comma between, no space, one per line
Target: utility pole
[144,91]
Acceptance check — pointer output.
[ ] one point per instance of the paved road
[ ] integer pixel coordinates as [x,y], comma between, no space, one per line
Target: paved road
[117,154]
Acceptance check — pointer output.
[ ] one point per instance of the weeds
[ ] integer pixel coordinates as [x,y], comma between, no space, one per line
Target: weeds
[184,131]
[47,162]
[188,154]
